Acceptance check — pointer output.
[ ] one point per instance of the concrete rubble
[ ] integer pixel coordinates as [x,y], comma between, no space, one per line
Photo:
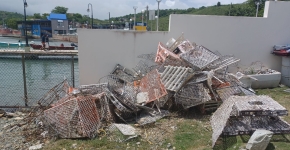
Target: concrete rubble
[259,140]
[180,73]
[242,115]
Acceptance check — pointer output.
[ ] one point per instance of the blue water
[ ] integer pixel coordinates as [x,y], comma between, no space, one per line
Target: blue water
[41,76]
[36,41]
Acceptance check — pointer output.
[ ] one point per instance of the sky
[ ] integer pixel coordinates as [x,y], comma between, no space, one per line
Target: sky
[101,8]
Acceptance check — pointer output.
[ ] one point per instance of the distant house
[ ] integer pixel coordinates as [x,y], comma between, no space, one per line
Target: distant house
[55,24]
[36,27]
[59,23]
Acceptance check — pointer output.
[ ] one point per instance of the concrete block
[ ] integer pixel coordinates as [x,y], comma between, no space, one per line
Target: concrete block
[266,80]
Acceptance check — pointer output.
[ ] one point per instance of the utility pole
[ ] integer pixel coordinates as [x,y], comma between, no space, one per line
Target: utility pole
[230,10]
[158,1]
[135,7]
[257,3]
[91,14]
[109,17]
[151,23]
[147,13]
[26,38]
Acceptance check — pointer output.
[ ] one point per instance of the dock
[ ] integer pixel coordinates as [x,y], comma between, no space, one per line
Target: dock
[39,54]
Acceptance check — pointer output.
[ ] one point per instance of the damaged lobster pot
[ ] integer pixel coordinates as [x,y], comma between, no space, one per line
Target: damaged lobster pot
[174,78]
[192,95]
[104,108]
[57,92]
[123,73]
[199,57]
[74,118]
[153,86]
[165,57]
[93,88]
[240,115]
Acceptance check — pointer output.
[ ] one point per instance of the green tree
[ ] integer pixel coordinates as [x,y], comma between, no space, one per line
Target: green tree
[44,15]
[12,23]
[218,4]
[69,17]
[37,16]
[84,19]
[77,17]
[60,10]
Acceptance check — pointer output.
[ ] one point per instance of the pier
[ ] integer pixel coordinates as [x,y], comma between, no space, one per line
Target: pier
[38,54]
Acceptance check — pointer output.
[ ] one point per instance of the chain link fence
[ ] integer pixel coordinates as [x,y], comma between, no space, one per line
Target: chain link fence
[25,78]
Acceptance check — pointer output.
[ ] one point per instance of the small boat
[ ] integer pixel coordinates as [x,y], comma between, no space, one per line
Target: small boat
[38,46]
[11,45]
[282,52]
[15,45]
[4,44]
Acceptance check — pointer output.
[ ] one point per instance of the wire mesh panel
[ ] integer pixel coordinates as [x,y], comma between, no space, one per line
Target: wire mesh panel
[74,118]
[93,88]
[223,61]
[247,125]
[27,77]
[192,95]
[143,67]
[46,72]
[55,94]
[149,57]
[219,119]
[152,84]
[123,73]
[226,92]
[240,115]
[104,109]
[199,57]
[174,77]
[11,81]
[166,57]
[173,47]
[259,106]
[186,46]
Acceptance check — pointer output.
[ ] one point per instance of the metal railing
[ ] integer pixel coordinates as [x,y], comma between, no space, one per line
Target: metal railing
[26,76]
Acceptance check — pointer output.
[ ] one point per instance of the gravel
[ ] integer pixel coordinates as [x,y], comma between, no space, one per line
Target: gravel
[16,133]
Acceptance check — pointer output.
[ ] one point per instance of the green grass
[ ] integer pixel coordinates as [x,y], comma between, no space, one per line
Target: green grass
[193,132]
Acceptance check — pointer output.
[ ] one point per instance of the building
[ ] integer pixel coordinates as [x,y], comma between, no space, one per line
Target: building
[55,24]
[59,23]
[36,27]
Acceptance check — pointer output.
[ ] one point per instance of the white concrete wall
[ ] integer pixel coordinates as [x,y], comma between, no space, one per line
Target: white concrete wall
[248,38]
[101,50]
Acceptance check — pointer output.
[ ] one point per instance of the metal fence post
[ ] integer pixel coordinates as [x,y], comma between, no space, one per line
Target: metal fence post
[73,70]
[24,80]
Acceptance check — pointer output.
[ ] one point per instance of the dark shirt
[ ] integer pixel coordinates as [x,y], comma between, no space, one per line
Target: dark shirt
[43,39]
[46,39]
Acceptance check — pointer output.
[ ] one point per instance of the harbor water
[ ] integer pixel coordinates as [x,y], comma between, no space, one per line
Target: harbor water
[41,76]
[35,41]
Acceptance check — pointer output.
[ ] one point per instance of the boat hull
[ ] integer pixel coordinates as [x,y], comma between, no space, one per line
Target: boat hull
[35,46]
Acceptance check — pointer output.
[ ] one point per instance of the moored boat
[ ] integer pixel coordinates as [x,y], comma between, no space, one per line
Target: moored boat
[15,45]
[37,46]
[4,44]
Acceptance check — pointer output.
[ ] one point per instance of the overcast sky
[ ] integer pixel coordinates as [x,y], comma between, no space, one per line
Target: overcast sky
[101,8]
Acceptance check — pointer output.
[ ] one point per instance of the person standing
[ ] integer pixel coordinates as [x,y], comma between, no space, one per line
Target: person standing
[47,41]
[43,41]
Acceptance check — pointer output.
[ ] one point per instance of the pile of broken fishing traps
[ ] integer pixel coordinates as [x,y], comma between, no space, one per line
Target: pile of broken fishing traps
[180,73]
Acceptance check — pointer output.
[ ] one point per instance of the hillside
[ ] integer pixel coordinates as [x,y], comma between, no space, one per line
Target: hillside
[9,19]
[6,15]
[244,9]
